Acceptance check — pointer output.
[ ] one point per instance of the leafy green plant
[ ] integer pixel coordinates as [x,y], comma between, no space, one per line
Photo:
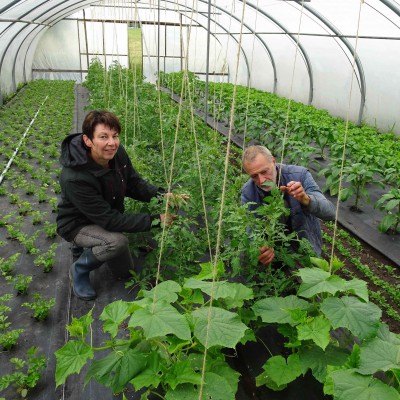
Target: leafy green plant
[27,373]
[14,232]
[46,260]
[54,203]
[37,217]
[24,208]
[13,198]
[6,219]
[29,243]
[10,338]
[40,307]
[20,282]
[390,203]
[7,265]
[356,175]
[170,329]
[4,323]
[50,229]
[359,175]
[42,194]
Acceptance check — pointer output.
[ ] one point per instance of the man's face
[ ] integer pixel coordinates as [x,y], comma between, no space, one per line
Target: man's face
[262,170]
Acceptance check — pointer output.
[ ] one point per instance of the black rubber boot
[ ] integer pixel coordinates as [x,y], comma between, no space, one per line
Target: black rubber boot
[79,274]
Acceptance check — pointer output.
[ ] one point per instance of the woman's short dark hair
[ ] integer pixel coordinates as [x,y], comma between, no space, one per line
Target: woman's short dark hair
[96,117]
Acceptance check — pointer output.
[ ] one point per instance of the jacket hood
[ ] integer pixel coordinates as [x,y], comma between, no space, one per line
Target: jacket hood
[73,151]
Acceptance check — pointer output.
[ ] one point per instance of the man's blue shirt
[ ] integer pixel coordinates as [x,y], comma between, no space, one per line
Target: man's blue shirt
[303,220]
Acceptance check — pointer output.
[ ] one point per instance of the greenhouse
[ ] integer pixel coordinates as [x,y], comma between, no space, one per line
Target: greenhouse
[200,199]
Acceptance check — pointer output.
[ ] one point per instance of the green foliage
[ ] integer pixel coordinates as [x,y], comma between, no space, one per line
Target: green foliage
[27,373]
[7,266]
[20,282]
[9,338]
[170,328]
[328,308]
[40,307]
[46,260]
[390,204]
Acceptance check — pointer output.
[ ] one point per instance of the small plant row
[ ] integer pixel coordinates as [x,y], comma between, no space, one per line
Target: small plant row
[371,158]
[170,340]
[391,290]
[28,198]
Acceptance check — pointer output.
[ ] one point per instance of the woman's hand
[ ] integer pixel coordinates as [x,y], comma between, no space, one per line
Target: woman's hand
[167,219]
[175,200]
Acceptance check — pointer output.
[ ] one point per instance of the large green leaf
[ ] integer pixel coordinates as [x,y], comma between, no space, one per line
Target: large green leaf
[70,359]
[166,291]
[283,371]
[182,372]
[317,329]
[233,293]
[278,309]
[209,269]
[316,281]
[350,385]
[149,376]
[218,328]
[357,287]
[379,355]
[318,360]
[117,369]
[362,319]
[215,387]
[385,334]
[160,319]
[113,315]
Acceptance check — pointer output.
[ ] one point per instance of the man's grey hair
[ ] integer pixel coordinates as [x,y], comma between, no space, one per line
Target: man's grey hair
[251,152]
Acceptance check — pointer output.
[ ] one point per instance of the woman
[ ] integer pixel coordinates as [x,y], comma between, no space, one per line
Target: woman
[97,175]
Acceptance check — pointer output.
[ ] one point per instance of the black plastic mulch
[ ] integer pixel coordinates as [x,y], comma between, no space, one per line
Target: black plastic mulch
[50,335]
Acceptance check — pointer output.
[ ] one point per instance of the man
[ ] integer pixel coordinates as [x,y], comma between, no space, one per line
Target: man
[302,195]
[97,175]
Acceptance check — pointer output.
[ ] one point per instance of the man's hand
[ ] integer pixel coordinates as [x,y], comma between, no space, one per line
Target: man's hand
[267,255]
[296,190]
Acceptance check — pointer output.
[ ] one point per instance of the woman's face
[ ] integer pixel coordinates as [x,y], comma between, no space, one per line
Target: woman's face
[104,144]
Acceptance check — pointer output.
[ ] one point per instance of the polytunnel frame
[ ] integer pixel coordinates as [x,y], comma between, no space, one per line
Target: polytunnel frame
[222,27]
[42,25]
[71,8]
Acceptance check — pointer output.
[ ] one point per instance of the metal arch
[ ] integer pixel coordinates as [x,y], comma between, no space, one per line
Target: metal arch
[352,51]
[395,9]
[298,44]
[258,37]
[19,31]
[9,5]
[224,29]
[58,18]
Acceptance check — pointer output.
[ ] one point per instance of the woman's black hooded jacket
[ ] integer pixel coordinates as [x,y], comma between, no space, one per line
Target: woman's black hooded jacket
[91,194]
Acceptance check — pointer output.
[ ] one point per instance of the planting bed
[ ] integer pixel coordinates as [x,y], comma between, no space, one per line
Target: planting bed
[50,335]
